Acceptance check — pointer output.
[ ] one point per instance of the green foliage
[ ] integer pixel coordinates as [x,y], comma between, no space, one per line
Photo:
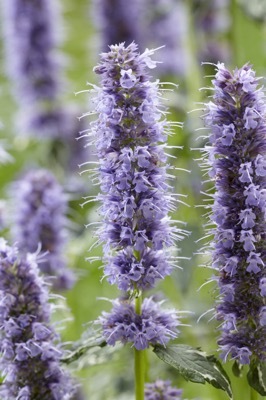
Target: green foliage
[195,366]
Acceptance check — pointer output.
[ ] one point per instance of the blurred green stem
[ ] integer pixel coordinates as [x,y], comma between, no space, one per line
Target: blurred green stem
[233,32]
[254,395]
[139,360]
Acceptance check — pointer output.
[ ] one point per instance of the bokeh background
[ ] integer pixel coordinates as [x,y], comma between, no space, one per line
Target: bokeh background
[193,32]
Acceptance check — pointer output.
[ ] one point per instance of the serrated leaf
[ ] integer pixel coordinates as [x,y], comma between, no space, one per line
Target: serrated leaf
[195,366]
[257,377]
[96,341]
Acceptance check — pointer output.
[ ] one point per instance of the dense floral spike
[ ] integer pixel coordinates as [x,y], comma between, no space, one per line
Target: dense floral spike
[237,162]
[130,136]
[133,178]
[162,390]
[40,219]
[30,41]
[153,326]
[29,350]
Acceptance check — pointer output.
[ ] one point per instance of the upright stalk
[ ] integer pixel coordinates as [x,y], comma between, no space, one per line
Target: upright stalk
[139,360]
[254,395]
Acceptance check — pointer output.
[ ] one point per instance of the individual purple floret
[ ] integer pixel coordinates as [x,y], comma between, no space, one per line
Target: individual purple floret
[40,219]
[153,326]
[130,136]
[30,41]
[237,158]
[29,350]
[162,390]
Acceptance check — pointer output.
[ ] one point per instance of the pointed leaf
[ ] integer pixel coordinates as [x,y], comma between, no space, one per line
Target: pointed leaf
[257,378]
[195,366]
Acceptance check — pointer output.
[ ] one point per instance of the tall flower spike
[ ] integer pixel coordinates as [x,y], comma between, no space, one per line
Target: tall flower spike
[30,41]
[130,136]
[133,178]
[29,350]
[40,219]
[236,157]
[162,390]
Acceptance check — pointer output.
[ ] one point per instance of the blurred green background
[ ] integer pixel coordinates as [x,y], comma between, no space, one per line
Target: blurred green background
[108,373]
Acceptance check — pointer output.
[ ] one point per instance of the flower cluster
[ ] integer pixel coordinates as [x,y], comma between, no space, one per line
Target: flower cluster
[30,41]
[152,326]
[29,351]
[39,218]
[237,160]
[162,390]
[212,20]
[130,137]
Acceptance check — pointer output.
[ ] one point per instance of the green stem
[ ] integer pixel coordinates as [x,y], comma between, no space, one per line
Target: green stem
[233,34]
[139,360]
[254,395]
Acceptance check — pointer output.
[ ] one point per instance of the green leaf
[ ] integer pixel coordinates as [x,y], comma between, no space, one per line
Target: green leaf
[95,341]
[257,377]
[237,369]
[195,366]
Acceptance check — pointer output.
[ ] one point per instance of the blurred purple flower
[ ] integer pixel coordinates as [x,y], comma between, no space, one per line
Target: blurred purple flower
[29,350]
[238,165]
[162,390]
[212,21]
[118,21]
[30,33]
[165,23]
[40,218]
[150,23]
[130,137]
[153,326]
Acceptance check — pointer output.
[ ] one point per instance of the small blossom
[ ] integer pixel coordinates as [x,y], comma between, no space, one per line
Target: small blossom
[162,390]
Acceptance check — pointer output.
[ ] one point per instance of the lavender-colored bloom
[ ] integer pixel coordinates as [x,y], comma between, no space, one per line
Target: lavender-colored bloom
[40,219]
[30,41]
[162,390]
[29,350]
[129,136]
[237,113]
[153,326]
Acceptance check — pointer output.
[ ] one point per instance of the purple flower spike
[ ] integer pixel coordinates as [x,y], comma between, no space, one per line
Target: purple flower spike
[40,220]
[28,344]
[32,63]
[153,326]
[162,390]
[236,118]
[129,137]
